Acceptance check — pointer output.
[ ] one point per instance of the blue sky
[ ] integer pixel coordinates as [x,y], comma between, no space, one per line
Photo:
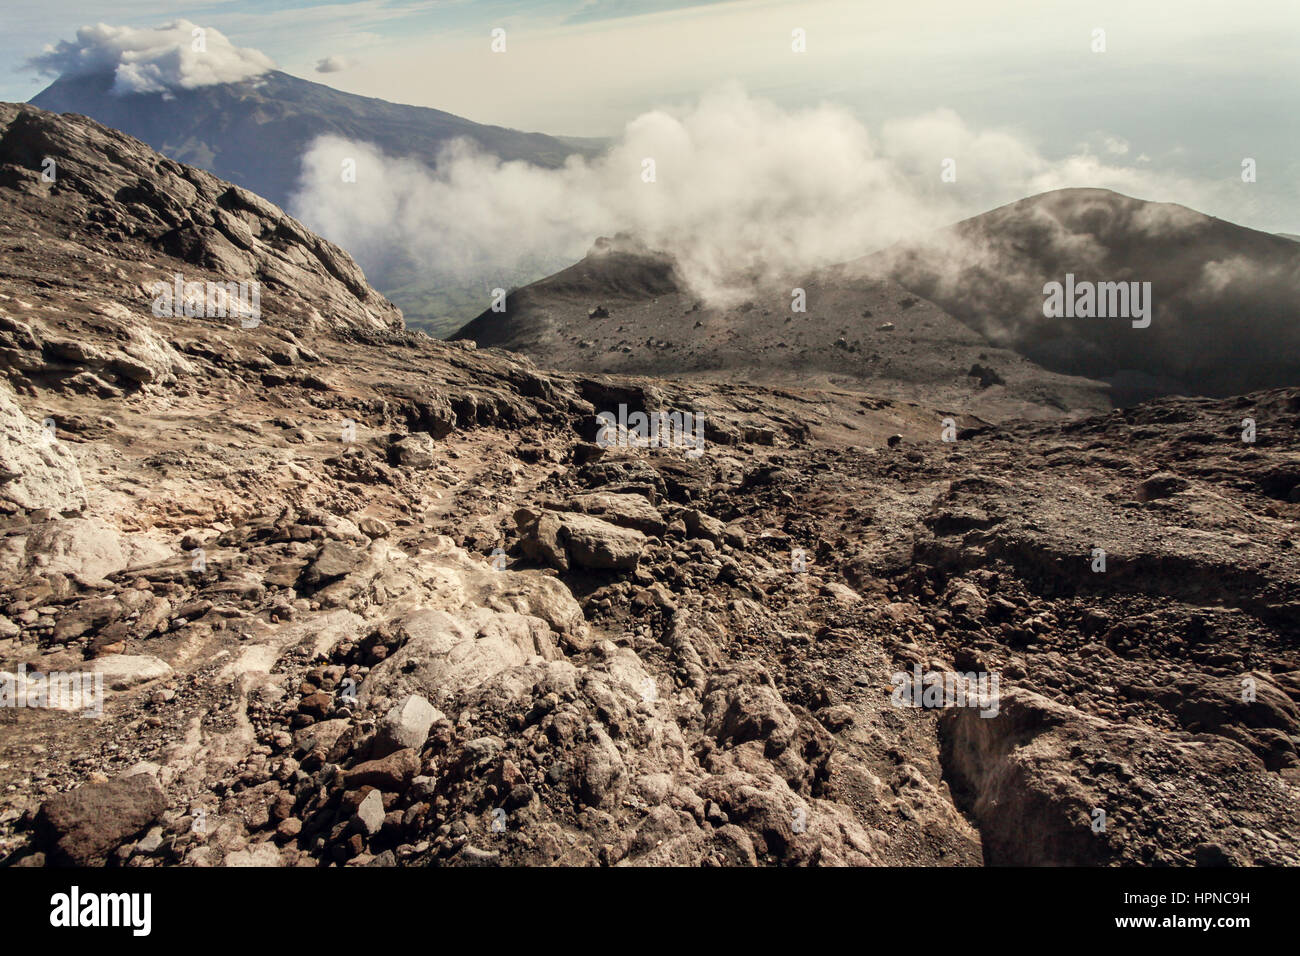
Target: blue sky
[1187,87]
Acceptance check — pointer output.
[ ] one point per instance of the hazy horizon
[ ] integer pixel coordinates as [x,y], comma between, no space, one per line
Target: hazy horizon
[1182,93]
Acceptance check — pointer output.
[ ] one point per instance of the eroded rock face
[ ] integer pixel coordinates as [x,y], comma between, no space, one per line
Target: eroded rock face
[1049,785]
[118,190]
[442,655]
[88,548]
[362,597]
[37,471]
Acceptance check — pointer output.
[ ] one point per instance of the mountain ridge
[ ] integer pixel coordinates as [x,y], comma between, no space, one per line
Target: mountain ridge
[257,113]
[1224,294]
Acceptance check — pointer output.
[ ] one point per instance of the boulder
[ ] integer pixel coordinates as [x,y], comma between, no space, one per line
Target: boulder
[333,561]
[442,655]
[624,510]
[564,539]
[83,826]
[124,671]
[415,450]
[701,525]
[86,547]
[391,773]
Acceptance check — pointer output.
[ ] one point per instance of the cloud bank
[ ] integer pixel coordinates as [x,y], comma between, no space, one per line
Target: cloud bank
[742,190]
[176,56]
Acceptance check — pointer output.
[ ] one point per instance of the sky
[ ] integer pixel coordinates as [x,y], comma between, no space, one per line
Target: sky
[1183,91]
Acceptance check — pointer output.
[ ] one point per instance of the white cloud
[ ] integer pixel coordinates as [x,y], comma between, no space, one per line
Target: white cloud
[333,64]
[743,189]
[176,56]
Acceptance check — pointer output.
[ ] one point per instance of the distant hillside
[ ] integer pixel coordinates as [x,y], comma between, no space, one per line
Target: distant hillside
[623,309]
[958,313]
[256,132]
[1225,318]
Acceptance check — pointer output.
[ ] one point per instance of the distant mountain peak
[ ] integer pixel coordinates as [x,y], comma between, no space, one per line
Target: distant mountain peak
[255,132]
[176,56]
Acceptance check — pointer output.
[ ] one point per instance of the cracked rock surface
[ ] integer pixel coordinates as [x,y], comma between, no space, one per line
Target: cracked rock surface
[362,597]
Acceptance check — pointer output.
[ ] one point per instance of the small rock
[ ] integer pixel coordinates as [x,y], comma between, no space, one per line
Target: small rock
[371,812]
[407,724]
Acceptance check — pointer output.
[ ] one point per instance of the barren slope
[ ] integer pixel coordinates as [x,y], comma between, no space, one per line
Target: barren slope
[680,660]
[623,309]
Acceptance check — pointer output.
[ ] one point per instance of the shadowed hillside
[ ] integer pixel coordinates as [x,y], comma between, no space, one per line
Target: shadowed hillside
[1226,317]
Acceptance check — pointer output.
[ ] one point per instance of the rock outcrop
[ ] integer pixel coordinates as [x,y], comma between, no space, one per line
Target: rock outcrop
[36,471]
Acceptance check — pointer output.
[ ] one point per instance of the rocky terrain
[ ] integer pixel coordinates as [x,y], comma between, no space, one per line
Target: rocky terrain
[624,309]
[362,597]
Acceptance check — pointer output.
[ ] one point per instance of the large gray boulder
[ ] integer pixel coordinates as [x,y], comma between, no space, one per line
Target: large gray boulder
[625,510]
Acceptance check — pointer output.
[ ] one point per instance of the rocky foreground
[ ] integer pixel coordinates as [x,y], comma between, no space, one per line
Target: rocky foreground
[358,596]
